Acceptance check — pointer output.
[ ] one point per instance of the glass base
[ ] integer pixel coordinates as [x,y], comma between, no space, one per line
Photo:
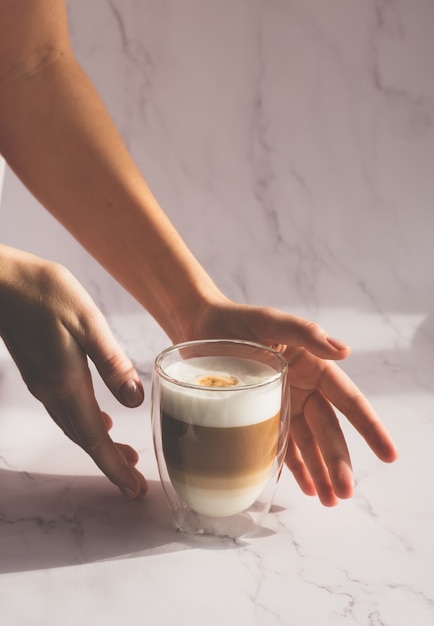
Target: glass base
[232,527]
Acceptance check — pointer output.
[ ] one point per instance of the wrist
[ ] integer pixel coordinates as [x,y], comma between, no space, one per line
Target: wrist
[186,318]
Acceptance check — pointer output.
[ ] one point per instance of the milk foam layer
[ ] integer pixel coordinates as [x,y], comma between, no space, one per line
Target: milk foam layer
[238,405]
[222,503]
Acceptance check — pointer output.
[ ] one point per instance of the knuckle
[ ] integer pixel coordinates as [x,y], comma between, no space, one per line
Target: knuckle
[302,330]
[93,445]
[114,366]
[294,463]
[310,328]
[51,275]
[352,404]
[89,318]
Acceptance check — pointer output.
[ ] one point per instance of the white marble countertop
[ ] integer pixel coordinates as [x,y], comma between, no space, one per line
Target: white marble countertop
[292,143]
[74,551]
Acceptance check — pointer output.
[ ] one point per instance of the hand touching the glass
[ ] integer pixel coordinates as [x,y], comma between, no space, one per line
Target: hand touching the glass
[89,182]
[50,325]
[317,453]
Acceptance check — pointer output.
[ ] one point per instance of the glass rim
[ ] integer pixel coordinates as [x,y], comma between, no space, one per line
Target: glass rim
[186,344]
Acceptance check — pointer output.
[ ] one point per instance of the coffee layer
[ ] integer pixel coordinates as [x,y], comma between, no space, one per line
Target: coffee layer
[219,452]
[218,470]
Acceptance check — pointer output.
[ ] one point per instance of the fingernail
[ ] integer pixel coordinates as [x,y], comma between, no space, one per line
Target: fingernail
[131,393]
[337,344]
[143,487]
[131,494]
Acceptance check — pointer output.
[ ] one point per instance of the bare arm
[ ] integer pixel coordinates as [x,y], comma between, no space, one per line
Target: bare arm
[58,137]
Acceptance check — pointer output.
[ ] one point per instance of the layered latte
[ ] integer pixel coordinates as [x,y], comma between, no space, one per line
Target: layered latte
[220,431]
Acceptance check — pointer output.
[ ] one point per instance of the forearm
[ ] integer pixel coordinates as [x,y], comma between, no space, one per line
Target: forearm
[58,137]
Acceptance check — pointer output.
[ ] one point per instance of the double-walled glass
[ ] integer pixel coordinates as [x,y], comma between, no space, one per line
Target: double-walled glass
[220,424]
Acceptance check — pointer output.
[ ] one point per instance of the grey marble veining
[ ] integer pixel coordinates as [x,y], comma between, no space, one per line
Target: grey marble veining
[292,144]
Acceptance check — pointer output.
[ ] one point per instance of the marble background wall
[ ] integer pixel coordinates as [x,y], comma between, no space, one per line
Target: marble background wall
[292,144]
[290,141]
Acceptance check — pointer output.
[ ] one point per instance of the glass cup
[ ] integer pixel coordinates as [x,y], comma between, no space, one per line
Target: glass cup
[220,420]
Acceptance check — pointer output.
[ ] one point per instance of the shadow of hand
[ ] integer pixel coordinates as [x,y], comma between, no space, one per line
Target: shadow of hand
[53,521]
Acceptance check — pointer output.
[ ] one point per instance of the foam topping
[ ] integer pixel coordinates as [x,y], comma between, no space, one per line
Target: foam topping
[224,394]
[215,371]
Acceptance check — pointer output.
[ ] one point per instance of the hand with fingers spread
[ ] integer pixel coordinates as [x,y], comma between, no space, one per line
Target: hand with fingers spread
[317,452]
[50,325]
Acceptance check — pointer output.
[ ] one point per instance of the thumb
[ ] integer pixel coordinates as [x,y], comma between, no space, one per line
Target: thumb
[114,367]
[275,327]
[315,339]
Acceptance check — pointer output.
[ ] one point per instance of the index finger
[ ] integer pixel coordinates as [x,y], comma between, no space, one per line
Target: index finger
[74,408]
[344,394]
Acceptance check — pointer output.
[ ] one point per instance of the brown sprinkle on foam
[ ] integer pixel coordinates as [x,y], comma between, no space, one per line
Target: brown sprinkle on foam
[218,381]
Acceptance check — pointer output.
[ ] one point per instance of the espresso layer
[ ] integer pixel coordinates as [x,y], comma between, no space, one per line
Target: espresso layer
[202,454]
